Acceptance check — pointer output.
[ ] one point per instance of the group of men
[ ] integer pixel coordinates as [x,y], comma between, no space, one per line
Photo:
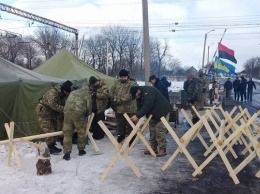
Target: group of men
[66,109]
[242,88]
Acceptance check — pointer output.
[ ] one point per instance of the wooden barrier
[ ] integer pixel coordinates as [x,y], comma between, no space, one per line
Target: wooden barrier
[121,149]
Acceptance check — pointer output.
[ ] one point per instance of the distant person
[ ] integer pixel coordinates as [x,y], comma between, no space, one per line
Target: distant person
[193,90]
[242,88]
[204,83]
[236,84]
[99,95]
[152,103]
[159,85]
[166,82]
[250,85]
[228,88]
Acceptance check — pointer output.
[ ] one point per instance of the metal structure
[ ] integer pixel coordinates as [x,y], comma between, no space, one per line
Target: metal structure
[19,12]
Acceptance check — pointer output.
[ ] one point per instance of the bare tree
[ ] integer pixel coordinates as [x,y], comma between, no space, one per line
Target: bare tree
[50,40]
[252,67]
[10,48]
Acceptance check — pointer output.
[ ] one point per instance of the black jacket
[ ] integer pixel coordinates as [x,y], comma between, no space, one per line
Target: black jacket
[152,102]
[161,87]
[236,84]
[165,82]
[250,85]
[228,85]
[242,86]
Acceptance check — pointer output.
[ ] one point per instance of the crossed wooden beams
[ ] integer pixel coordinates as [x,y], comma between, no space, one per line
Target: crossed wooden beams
[122,148]
[228,133]
[12,148]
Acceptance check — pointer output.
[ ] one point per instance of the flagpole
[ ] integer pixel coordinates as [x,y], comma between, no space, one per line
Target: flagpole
[217,50]
[219,42]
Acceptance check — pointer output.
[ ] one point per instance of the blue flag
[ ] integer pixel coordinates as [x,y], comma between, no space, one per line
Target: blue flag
[224,67]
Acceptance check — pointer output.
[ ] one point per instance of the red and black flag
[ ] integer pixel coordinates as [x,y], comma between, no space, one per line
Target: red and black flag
[226,53]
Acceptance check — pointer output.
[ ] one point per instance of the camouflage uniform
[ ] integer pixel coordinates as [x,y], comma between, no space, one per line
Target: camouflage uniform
[100,96]
[122,102]
[204,83]
[50,112]
[77,108]
[194,95]
[153,102]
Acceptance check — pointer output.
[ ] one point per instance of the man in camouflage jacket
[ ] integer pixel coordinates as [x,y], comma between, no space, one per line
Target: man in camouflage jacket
[78,106]
[99,95]
[50,112]
[204,83]
[193,90]
[122,102]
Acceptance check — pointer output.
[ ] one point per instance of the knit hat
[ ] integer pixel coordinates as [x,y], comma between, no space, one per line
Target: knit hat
[123,72]
[92,80]
[66,86]
[133,91]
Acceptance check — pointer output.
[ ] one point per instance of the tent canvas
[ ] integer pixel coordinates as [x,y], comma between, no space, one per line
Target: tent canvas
[20,91]
[65,65]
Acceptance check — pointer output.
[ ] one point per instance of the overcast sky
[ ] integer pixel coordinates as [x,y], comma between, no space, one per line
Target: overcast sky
[195,18]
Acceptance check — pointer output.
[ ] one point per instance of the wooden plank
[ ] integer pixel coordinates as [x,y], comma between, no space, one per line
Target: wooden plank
[88,134]
[10,132]
[140,135]
[3,142]
[14,150]
[181,147]
[120,150]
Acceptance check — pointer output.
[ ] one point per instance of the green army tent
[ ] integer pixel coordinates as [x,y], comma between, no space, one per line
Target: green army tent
[20,91]
[65,65]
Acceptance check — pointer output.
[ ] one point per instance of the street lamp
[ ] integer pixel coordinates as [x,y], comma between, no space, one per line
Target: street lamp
[205,47]
[208,52]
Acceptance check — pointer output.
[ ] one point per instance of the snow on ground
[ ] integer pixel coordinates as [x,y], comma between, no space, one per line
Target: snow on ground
[82,173]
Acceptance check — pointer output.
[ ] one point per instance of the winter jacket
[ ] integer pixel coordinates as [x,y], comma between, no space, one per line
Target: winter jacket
[121,98]
[242,86]
[250,85]
[165,82]
[193,89]
[228,85]
[236,84]
[51,104]
[79,102]
[152,102]
[204,83]
[161,87]
[100,97]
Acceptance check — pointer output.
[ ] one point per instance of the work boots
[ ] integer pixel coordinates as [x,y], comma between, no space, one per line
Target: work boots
[53,149]
[161,153]
[120,138]
[66,156]
[147,152]
[82,152]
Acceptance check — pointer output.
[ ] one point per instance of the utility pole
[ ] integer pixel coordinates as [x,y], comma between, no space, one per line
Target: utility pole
[146,42]
[107,60]
[25,14]
[205,39]
[208,53]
